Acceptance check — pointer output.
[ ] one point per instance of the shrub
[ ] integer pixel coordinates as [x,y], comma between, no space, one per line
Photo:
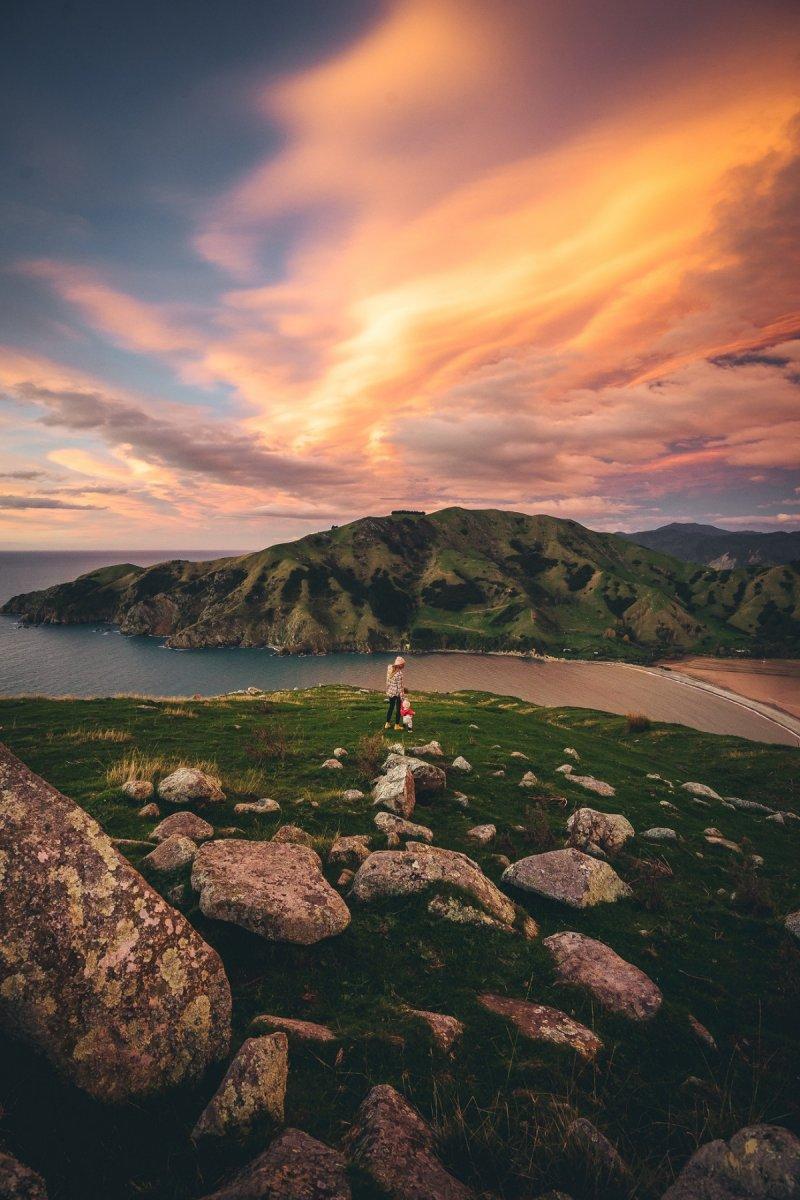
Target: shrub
[637,722]
[369,753]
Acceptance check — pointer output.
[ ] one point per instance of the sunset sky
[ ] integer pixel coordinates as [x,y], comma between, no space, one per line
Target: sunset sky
[268,266]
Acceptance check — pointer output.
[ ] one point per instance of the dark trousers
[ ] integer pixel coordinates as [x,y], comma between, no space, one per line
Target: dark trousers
[394,706]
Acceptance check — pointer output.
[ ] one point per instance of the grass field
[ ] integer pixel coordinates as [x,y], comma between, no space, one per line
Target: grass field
[500,1103]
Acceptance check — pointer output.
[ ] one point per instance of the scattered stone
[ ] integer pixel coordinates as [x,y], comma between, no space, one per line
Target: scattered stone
[148,812]
[668,805]
[792,924]
[396,791]
[474,727]
[295,1167]
[170,856]
[660,833]
[185,824]
[591,784]
[701,1032]
[292,835]
[419,866]
[446,1030]
[617,985]
[700,789]
[760,1162]
[432,749]
[461,764]
[715,838]
[777,818]
[461,800]
[528,780]
[332,764]
[257,808]
[482,834]
[340,752]
[275,889]
[518,754]
[138,790]
[748,805]
[346,877]
[101,975]
[428,778]
[188,785]
[543,1024]
[295,1030]
[392,1144]
[395,826]
[590,830]
[18,1182]
[352,794]
[597,1153]
[499,774]
[569,876]
[349,851]
[565,769]
[572,752]
[252,1092]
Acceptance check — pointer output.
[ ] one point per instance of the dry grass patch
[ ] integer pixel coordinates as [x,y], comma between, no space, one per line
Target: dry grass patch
[176,711]
[80,737]
[146,766]
[637,722]
[249,782]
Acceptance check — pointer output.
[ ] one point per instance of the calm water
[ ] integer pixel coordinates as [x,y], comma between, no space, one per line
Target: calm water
[87,660]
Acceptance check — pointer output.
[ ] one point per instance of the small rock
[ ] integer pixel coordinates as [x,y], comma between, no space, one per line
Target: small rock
[565,769]
[346,877]
[252,1093]
[392,1144]
[349,851]
[295,1167]
[170,856]
[569,876]
[792,924]
[446,1030]
[583,1138]
[461,764]
[184,824]
[295,1030]
[458,912]
[340,752]
[588,829]
[149,812]
[332,764]
[618,985]
[572,752]
[461,800]
[132,844]
[473,727]
[701,1032]
[700,789]
[760,1162]
[748,805]
[528,780]
[138,790]
[293,835]
[668,805]
[715,838]
[352,794]
[189,785]
[482,834]
[397,827]
[518,754]
[257,808]
[500,860]
[432,749]
[18,1182]
[591,784]
[499,774]
[396,791]
[777,818]
[660,833]
[543,1024]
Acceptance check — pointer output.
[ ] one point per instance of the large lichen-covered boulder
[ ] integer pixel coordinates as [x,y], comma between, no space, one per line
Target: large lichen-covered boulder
[189,785]
[569,876]
[253,1092]
[294,1167]
[594,831]
[275,889]
[18,1182]
[760,1162]
[96,970]
[392,1144]
[428,778]
[418,867]
[617,984]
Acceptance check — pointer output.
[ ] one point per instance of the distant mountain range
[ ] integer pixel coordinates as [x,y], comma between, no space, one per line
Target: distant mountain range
[721,548]
[456,579]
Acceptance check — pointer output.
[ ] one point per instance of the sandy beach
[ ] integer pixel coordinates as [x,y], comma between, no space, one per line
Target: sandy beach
[774,681]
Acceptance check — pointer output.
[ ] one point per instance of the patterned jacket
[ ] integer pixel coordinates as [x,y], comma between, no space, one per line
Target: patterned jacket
[395,684]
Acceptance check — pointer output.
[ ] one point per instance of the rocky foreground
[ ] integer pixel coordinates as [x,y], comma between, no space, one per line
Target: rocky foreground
[438,969]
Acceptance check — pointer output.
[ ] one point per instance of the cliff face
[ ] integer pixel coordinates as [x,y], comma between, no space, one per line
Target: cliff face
[486,580]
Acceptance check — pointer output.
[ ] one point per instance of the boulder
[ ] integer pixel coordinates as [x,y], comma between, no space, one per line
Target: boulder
[188,785]
[660,833]
[569,876]
[428,778]
[616,984]
[18,1182]
[292,835]
[419,866]
[590,783]
[482,834]
[432,749]
[792,924]
[271,888]
[350,851]
[352,794]
[392,1144]
[295,1167]
[332,764]
[396,791]
[529,780]
[295,1030]
[584,1141]
[99,973]
[461,764]
[138,790]
[396,827]
[760,1162]
[700,789]
[252,1093]
[185,824]
[446,1031]
[257,808]
[543,1024]
[591,830]
[170,856]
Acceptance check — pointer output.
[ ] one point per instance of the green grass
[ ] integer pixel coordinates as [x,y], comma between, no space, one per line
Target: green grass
[501,1103]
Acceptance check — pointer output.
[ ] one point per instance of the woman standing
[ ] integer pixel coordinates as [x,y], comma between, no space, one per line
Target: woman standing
[395,687]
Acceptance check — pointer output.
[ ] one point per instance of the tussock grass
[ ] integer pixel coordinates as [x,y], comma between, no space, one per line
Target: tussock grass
[138,765]
[80,737]
[177,711]
[637,722]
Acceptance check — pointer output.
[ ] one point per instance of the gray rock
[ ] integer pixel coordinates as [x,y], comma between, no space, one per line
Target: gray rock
[590,784]
[271,888]
[332,764]
[543,1024]
[265,807]
[700,789]
[185,824]
[99,973]
[188,785]
[569,876]
[587,829]
[432,749]
[253,1092]
[572,752]
[660,833]
[461,764]
[760,1162]
[295,1167]
[458,912]
[18,1182]
[352,794]
[340,752]
[616,984]
[396,791]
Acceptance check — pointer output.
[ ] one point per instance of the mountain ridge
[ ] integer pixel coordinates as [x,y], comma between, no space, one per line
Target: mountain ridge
[472,579]
[723,549]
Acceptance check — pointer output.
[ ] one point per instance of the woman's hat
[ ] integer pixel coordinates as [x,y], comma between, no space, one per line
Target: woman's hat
[399,661]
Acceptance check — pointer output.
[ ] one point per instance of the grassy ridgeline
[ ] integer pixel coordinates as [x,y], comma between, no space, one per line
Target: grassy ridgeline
[500,1103]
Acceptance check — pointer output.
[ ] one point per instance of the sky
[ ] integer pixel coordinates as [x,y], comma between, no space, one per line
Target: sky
[267,266]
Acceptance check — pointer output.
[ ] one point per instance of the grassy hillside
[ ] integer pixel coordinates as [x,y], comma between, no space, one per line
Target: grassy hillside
[704,923]
[457,579]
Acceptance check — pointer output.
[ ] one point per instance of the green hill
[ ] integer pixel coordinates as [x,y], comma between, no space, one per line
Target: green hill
[455,579]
